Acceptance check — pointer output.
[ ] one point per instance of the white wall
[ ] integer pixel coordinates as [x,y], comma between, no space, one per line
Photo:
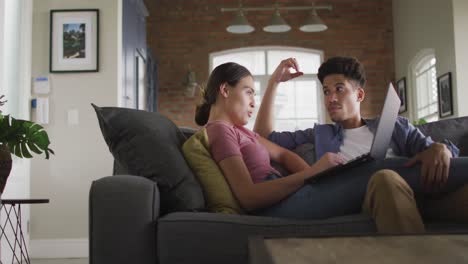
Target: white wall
[424,24]
[460,17]
[60,228]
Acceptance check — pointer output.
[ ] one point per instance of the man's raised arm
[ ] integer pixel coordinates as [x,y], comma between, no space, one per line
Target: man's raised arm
[264,121]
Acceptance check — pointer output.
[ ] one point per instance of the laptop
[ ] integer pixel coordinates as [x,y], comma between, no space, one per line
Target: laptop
[380,143]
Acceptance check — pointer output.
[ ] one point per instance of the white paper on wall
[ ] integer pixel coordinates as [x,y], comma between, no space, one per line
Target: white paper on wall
[41,85]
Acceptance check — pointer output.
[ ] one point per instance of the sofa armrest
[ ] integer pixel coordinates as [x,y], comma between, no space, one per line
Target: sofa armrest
[123,211]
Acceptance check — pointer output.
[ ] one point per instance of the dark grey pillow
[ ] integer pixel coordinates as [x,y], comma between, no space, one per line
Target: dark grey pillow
[454,129]
[306,152]
[464,145]
[149,145]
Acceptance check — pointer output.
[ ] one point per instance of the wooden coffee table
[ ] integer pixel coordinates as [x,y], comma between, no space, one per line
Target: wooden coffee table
[403,249]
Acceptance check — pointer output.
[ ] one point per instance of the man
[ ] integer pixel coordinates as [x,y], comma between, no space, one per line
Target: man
[389,199]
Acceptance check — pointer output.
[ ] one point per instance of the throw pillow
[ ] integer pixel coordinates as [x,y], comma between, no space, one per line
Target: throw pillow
[306,152]
[218,195]
[148,144]
[464,146]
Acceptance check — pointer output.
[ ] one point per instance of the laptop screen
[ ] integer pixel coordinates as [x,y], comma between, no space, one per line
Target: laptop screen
[387,120]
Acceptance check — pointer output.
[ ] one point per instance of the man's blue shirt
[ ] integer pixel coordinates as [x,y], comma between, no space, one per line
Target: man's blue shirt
[406,141]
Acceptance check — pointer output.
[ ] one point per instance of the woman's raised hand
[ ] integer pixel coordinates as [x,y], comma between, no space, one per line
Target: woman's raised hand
[283,71]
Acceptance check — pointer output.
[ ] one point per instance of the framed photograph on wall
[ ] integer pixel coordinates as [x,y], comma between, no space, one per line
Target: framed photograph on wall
[401,90]
[444,91]
[74,40]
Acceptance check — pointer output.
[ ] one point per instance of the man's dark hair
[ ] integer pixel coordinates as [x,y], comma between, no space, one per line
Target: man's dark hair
[350,67]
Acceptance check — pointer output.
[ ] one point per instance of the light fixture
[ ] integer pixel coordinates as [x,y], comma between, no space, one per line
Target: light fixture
[190,82]
[277,24]
[240,25]
[313,23]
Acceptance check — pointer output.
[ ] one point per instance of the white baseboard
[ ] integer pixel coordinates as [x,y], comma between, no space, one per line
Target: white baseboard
[59,248]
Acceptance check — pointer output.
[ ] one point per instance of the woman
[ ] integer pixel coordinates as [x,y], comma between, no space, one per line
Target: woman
[244,156]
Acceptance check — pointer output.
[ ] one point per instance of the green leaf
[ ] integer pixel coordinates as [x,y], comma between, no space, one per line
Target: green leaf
[17,150]
[23,137]
[33,148]
[25,151]
[31,128]
[41,139]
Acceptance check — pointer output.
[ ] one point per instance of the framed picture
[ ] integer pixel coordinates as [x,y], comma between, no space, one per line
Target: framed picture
[74,40]
[444,91]
[401,90]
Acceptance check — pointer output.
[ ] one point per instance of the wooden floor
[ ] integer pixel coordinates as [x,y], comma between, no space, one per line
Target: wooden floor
[60,261]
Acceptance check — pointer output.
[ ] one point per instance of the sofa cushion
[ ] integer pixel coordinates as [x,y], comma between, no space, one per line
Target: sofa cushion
[463,145]
[218,195]
[453,129]
[149,145]
[179,234]
[226,237]
[306,152]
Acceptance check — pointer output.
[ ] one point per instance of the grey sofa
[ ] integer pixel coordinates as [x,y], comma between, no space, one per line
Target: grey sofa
[128,225]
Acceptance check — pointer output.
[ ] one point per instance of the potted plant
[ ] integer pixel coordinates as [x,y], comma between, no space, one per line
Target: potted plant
[21,138]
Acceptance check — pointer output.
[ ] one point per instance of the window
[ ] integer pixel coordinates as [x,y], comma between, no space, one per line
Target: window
[425,80]
[297,104]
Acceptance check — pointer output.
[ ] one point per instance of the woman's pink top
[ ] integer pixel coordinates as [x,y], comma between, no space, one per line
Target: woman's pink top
[228,140]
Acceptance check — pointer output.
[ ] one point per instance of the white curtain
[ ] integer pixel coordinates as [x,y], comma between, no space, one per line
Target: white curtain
[15,83]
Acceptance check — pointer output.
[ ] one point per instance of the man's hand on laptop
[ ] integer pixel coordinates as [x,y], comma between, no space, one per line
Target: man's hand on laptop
[435,165]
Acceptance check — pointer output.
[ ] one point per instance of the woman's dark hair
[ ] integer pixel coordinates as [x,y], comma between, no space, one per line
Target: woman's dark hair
[350,67]
[230,73]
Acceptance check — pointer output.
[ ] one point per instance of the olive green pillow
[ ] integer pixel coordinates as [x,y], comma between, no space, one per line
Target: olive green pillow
[218,195]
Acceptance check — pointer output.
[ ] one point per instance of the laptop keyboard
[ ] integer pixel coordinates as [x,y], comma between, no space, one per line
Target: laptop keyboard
[357,158]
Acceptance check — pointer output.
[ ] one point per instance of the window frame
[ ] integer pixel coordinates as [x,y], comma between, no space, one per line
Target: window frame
[423,58]
[263,79]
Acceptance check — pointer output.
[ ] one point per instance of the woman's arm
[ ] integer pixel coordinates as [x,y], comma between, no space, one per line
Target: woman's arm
[264,120]
[253,196]
[294,163]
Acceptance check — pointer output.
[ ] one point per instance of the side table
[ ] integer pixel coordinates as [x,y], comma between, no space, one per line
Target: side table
[12,207]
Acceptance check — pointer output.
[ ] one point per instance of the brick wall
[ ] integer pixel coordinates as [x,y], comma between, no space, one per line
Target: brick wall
[182,32]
